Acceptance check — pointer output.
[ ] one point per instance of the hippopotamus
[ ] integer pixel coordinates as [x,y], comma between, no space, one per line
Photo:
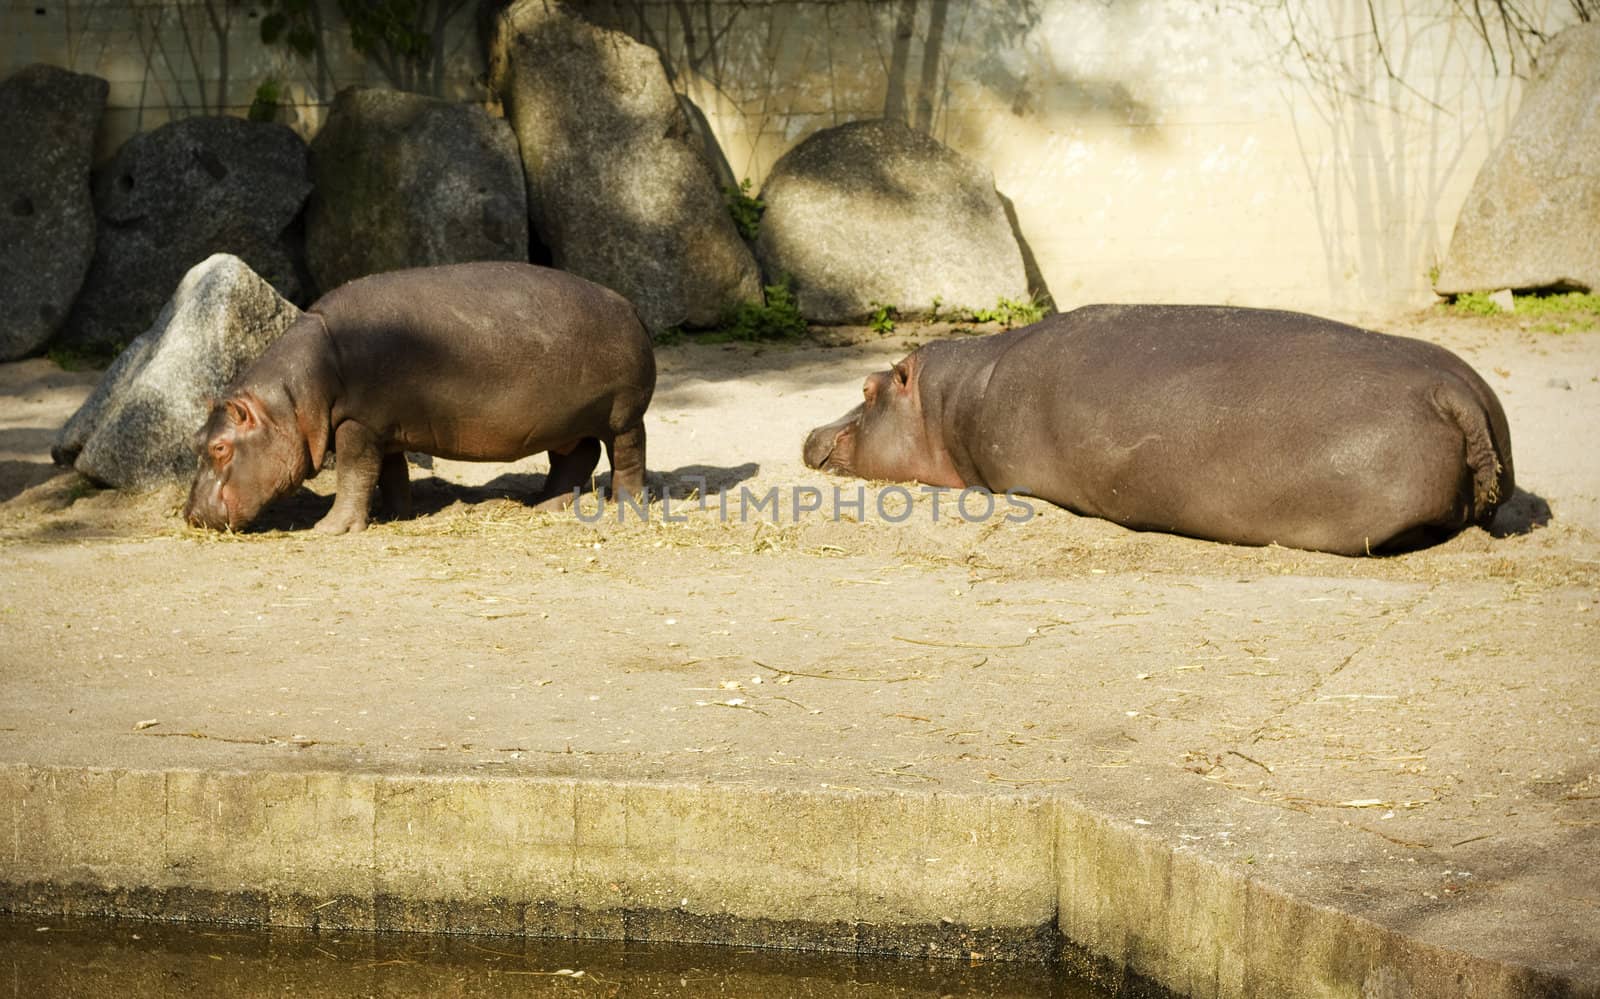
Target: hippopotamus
[480,361]
[1248,426]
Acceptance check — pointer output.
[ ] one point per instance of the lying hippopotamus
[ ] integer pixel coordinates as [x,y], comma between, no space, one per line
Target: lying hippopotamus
[1242,425]
[482,361]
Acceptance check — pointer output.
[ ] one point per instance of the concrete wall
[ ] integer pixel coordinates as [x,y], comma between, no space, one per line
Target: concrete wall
[1155,150]
[1261,152]
[168,59]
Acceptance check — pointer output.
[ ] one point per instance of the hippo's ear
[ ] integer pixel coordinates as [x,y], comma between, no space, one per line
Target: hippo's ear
[902,375]
[242,413]
[316,432]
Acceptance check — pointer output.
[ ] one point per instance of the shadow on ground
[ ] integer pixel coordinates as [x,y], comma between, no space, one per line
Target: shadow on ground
[431,495]
[16,477]
[1520,515]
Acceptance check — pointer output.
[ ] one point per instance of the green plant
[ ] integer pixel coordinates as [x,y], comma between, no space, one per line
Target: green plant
[400,37]
[81,486]
[1474,303]
[1569,303]
[744,209]
[883,318]
[292,24]
[265,105]
[88,357]
[1571,312]
[670,337]
[778,319]
[1567,312]
[1010,312]
[394,27]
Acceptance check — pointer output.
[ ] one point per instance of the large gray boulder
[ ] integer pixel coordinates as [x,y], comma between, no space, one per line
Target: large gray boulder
[48,117]
[618,186]
[403,180]
[135,429]
[706,141]
[877,212]
[171,198]
[1532,219]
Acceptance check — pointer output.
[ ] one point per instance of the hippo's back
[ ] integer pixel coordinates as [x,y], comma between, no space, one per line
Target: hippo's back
[493,302]
[1137,342]
[488,359]
[1242,424]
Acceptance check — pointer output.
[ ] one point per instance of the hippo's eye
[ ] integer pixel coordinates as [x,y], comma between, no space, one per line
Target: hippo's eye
[220,450]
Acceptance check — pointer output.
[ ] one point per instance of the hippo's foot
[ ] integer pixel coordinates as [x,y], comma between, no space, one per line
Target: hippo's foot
[341,522]
[361,467]
[570,469]
[627,462]
[390,510]
[555,504]
[394,488]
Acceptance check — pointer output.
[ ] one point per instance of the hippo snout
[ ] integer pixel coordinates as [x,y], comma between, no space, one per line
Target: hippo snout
[819,444]
[205,507]
[823,443]
[197,515]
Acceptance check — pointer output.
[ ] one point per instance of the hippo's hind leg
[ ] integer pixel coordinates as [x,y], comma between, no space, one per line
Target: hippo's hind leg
[570,469]
[358,466]
[394,487]
[1415,490]
[626,451]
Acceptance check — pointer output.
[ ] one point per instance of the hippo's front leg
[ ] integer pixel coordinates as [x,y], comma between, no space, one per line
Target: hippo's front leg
[358,463]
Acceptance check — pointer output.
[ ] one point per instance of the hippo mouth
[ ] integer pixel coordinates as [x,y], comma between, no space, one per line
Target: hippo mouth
[210,512]
[831,447]
[828,449]
[212,505]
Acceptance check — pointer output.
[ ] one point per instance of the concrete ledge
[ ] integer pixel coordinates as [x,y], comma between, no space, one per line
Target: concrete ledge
[1013,878]
[1199,928]
[538,857]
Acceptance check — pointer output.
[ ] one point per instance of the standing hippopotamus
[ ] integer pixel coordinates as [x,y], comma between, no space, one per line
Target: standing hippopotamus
[1241,425]
[483,361]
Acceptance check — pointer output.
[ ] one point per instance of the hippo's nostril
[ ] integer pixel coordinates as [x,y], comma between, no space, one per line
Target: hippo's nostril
[815,451]
[820,447]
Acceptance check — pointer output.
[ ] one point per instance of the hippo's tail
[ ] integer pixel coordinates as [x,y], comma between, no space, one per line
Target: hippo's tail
[1488,445]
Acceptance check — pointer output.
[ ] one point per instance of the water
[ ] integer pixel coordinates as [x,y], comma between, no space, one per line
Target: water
[48,957]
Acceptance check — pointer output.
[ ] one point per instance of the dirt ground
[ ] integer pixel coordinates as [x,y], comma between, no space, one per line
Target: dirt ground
[732,416]
[1399,717]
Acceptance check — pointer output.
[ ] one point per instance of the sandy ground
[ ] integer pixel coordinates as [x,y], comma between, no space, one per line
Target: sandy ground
[733,415]
[1415,737]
